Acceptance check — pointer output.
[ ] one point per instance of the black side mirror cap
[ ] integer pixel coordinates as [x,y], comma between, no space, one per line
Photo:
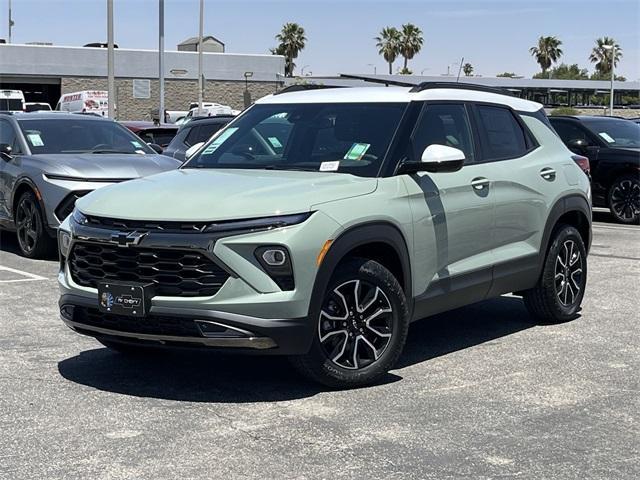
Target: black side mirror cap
[6,152]
[409,168]
[155,147]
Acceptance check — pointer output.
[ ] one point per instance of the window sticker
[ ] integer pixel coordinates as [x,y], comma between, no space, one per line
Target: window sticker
[275,143]
[607,137]
[330,166]
[35,139]
[136,144]
[219,140]
[357,151]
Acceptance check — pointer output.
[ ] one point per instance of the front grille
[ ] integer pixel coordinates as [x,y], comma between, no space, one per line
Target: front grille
[179,273]
[152,325]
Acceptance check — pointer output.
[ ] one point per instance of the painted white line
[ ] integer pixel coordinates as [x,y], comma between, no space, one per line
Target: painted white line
[30,276]
[608,226]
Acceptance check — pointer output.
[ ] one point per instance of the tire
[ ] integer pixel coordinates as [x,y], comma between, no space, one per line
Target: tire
[555,299]
[33,240]
[623,199]
[361,329]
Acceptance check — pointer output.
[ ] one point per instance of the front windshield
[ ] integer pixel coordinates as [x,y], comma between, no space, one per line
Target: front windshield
[347,137]
[617,133]
[80,135]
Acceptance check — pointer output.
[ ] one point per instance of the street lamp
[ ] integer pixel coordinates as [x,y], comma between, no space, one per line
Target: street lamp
[302,70]
[375,70]
[613,67]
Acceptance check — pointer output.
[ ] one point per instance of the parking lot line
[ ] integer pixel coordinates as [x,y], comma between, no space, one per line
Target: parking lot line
[30,277]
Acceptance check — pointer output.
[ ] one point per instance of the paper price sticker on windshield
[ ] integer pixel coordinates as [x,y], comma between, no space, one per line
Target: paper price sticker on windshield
[275,143]
[330,166]
[35,140]
[357,151]
[608,138]
[219,140]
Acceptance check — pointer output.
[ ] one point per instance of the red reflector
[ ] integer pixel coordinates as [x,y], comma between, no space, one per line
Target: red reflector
[583,163]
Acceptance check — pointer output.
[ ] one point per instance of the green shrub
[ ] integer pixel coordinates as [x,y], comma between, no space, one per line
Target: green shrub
[565,111]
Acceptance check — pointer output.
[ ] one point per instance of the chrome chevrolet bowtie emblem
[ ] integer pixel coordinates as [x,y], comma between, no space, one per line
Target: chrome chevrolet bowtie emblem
[126,239]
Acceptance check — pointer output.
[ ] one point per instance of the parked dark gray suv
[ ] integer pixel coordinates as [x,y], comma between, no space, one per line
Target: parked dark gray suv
[49,160]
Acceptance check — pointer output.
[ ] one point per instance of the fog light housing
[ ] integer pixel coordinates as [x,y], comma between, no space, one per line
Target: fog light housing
[64,243]
[276,262]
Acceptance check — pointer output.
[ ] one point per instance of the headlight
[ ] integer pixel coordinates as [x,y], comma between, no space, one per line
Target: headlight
[64,242]
[257,224]
[79,217]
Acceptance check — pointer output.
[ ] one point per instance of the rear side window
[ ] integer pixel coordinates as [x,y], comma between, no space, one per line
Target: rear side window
[569,131]
[502,136]
[207,130]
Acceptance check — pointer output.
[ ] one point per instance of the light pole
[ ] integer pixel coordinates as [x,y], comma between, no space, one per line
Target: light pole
[161,117]
[375,70]
[11,24]
[200,73]
[613,68]
[111,82]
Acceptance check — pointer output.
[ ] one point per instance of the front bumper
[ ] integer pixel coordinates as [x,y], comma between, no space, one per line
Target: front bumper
[188,328]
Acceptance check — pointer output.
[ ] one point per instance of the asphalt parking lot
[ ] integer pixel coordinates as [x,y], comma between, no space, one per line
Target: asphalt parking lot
[480,392]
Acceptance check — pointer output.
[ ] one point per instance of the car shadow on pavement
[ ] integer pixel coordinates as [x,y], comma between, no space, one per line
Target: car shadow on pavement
[9,244]
[199,376]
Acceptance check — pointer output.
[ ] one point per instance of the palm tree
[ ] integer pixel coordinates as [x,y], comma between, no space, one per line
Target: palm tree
[602,56]
[388,44]
[292,41]
[411,42]
[467,68]
[547,52]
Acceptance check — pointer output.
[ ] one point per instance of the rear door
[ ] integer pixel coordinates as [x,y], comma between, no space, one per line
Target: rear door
[9,169]
[525,178]
[453,212]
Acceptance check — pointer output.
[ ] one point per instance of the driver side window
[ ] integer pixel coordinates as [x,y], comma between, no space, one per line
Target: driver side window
[443,124]
[8,136]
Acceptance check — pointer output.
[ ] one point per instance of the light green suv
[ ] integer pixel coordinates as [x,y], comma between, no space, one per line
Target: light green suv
[319,224]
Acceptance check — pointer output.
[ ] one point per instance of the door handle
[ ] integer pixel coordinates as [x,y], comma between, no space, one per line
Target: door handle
[479,183]
[548,173]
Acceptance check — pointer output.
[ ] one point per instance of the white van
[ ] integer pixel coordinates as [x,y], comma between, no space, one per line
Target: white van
[210,109]
[11,100]
[87,101]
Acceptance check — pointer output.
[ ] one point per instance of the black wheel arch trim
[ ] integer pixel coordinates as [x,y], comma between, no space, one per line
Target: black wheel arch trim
[14,203]
[354,237]
[570,203]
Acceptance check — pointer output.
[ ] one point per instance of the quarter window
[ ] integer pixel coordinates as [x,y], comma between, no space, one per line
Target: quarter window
[503,136]
[443,124]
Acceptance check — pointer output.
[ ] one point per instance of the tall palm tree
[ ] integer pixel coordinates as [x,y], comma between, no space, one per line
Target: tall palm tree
[411,42]
[602,56]
[467,68]
[388,44]
[292,41]
[547,52]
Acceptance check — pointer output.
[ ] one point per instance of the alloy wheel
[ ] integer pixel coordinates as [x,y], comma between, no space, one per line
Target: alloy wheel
[568,273]
[625,199]
[356,324]
[27,224]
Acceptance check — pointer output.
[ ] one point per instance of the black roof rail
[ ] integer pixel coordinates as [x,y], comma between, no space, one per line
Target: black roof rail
[303,87]
[460,86]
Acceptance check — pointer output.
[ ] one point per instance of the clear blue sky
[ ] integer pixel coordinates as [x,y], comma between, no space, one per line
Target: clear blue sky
[493,35]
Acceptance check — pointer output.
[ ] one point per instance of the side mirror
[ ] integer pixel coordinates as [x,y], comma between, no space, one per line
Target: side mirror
[6,151]
[192,149]
[155,147]
[578,145]
[436,158]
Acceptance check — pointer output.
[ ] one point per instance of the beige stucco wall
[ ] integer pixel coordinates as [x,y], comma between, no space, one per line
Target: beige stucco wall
[178,94]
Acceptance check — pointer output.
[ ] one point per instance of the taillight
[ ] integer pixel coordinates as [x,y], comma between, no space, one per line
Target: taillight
[583,163]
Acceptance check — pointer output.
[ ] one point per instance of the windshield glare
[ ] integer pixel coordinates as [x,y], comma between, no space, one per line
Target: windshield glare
[347,138]
[66,135]
[617,133]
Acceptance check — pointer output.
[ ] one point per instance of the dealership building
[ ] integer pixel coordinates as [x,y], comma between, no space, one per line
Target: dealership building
[45,72]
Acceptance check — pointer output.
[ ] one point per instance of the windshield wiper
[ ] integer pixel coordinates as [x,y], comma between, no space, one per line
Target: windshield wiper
[285,167]
[112,151]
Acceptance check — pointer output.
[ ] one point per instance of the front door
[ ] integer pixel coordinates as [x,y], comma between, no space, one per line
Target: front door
[453,215]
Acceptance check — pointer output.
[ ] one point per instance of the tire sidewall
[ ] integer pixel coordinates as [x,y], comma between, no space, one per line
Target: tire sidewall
[562,312]
[374,273]
[633,221]
[39,246]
